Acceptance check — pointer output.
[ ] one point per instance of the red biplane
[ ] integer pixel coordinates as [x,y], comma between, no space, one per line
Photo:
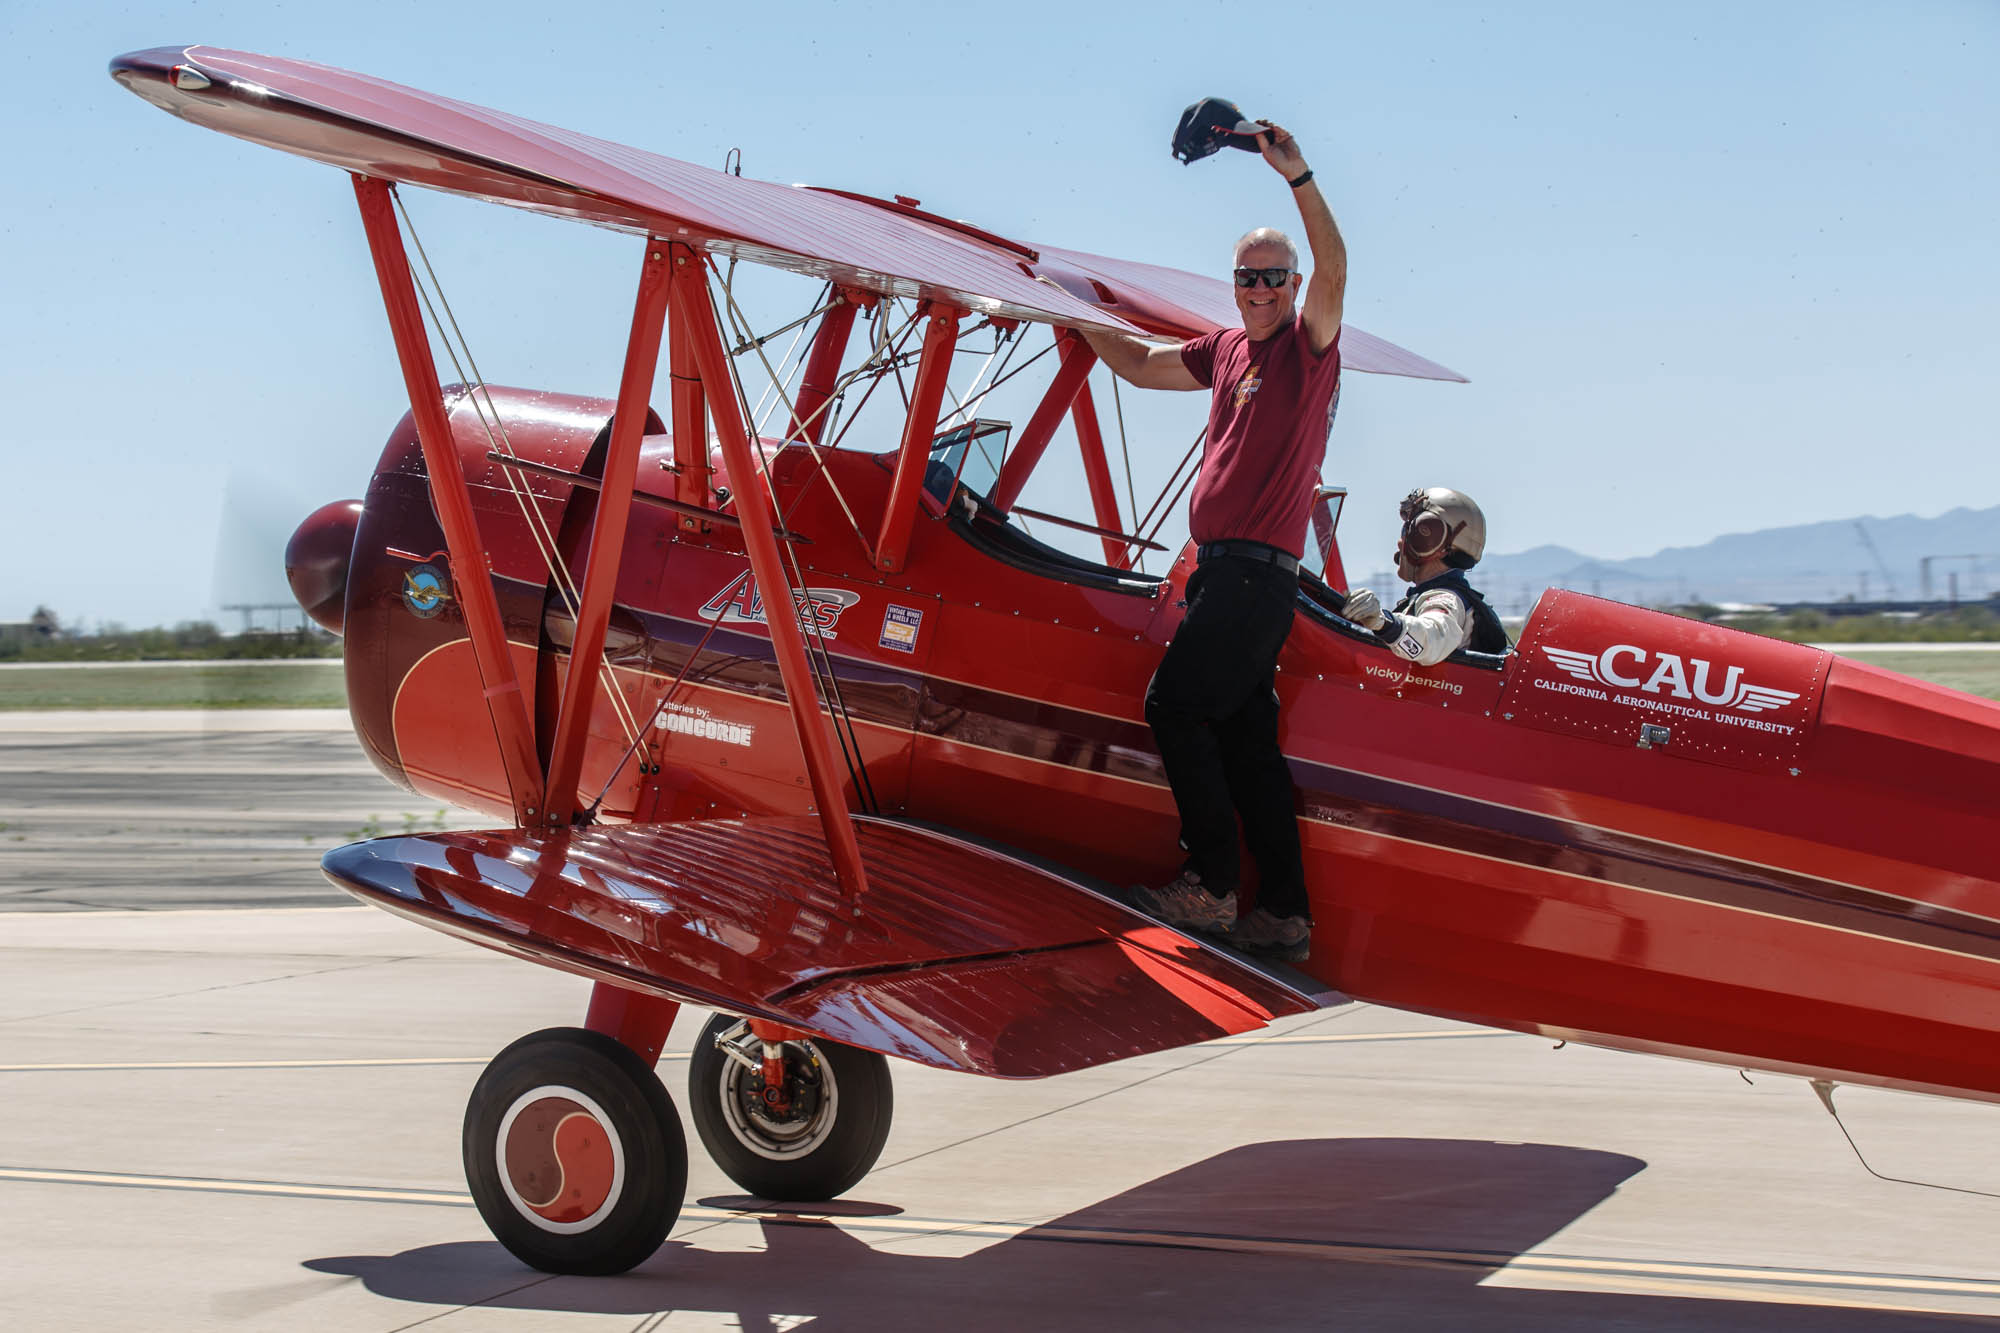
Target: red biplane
[879,822]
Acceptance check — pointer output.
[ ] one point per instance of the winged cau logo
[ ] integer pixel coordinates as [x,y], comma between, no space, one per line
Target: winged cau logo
[818,608]
[1624,666]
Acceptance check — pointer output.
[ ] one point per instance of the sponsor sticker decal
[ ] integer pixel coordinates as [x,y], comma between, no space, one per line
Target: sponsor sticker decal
[692,720]
[899,628]
[425,591]
[1630,675]
[818,609]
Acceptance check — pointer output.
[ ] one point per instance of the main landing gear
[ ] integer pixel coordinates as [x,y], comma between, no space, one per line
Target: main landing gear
[791,1119]
[575,1155]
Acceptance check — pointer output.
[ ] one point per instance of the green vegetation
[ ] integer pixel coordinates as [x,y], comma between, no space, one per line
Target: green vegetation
[192,640]
[1976,671]
[1969,624]
[276,685]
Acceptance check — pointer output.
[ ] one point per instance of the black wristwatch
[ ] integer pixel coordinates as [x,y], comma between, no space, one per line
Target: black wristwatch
[1295,184]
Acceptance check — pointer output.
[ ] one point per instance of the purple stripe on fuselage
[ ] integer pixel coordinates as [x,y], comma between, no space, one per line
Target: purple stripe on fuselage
[1072,738]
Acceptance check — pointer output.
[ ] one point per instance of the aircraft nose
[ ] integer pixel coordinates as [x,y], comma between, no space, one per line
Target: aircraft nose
[317,559]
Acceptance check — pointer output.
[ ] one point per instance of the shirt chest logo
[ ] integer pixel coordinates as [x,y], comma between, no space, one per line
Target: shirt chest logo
[1247,387]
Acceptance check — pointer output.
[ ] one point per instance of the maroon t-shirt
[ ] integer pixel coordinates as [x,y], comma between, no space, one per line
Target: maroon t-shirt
[1268,418]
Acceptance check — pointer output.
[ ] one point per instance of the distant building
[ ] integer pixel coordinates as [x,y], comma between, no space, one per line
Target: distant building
[38,628]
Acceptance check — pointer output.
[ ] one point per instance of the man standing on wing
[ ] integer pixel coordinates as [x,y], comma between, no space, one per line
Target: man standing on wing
[1212,703]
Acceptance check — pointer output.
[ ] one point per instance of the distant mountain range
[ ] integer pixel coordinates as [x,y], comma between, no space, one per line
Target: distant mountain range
[1813,562]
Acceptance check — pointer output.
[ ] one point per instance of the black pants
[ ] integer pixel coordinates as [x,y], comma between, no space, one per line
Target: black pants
[1213,707]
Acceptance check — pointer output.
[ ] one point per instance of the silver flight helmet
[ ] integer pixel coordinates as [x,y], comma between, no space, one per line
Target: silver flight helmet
[1440,521]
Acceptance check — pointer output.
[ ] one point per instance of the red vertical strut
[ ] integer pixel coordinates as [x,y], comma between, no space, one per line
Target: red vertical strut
[940,341]
[692,482]
[760,542]
[471,576]
[822,369]
[607,533]
[1097,474]
[1077,359]
[638,1020]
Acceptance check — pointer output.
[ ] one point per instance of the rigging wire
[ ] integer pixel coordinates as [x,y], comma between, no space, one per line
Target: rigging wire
[800,325]
[876,373]
[1002,379]
[998,380]
[819,658]
[871,369]
[1140,526]
[674,688]
[738,321]
[1824,1090]
[660,709]
[960,413]
[1172,505]
[810,315]
[545,541]
[974,402]
[1131,492]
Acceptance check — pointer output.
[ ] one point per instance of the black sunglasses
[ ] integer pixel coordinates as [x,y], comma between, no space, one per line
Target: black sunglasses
[1271,277]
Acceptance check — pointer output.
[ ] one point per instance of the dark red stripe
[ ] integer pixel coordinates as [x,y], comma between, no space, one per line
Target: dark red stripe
[1050,733]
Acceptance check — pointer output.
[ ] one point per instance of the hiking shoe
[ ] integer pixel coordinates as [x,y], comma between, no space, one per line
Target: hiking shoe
[1183,902]
[1283,939]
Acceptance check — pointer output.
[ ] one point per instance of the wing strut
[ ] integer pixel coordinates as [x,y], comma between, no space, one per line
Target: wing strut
[1077,359]
[607,535]
[753,506]
[692,483]
[822,369]
[940,342]
[1097,473]
[471,577]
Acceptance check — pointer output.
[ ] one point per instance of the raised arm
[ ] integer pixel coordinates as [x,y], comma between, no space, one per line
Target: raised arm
[1326,294]
[1148,365]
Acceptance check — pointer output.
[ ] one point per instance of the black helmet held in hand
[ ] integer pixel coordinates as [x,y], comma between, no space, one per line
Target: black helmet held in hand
[1210,125]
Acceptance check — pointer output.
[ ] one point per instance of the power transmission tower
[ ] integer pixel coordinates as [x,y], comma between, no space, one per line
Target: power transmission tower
[1888,582]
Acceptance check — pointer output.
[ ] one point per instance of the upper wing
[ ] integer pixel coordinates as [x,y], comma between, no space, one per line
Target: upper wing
[1179,304]
[960,956]
[384,129]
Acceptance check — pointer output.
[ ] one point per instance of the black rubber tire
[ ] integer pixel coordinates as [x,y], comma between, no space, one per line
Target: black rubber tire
[637,1213]
[864,1102]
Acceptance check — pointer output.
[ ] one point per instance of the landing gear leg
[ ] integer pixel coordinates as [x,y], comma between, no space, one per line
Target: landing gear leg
[788,1116]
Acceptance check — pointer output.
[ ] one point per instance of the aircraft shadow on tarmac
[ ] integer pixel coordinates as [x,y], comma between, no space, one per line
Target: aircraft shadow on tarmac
[1272,1235]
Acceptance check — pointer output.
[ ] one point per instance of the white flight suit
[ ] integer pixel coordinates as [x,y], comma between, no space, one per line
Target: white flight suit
[1429,629]
[1435,626]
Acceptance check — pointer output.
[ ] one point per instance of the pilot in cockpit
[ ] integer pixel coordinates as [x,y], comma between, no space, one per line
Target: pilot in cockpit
[1444,534]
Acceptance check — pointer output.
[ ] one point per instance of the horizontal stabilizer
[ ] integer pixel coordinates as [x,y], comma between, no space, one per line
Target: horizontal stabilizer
[960,955]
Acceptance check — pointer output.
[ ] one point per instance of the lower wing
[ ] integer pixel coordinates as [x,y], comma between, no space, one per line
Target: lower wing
[961,955]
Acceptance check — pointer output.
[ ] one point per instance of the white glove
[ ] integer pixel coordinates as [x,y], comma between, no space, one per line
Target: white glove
[1364,609]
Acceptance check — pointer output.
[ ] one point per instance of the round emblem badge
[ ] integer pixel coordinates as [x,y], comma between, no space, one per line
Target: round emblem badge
[425,591]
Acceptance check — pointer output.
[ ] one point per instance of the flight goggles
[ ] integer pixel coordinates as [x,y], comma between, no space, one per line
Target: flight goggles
[1425,531]
[1270,277]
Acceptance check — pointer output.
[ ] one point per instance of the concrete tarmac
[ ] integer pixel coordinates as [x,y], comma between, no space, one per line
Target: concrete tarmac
[222,1113]
[184,808]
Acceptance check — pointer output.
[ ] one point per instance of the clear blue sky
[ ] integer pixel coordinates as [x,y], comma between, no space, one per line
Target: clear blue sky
[1710,267]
